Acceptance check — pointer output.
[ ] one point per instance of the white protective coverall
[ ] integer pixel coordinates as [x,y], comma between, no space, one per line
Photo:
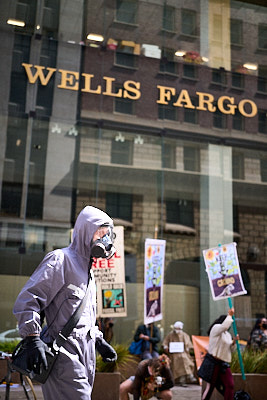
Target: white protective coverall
[57,286]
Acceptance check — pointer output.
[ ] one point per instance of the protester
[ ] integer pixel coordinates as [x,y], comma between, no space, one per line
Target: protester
[150,336]
[106,327]
[153,377]
[215,368]
[56,288]
[258,335]
[182,365]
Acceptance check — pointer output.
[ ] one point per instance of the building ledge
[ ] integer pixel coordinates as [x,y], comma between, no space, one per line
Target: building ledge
[122,222]
[178,228]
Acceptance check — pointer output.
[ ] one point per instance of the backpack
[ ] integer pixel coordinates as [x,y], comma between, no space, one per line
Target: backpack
[241,395]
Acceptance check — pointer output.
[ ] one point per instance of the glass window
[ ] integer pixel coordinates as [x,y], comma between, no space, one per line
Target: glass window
[189,71]
[238,121]
[189,20]
[236,31]
[168,155]
[237,165]
[122,105]
[262,121]
[219,119]
[168,18]
[262,36]
[126,11]
[167,111]
[264,170]
[180,212]
[122,152]
[262,78]
[190,114]
[219,76]
[124,56]
[237,80]
[167,63]
[119,205]
[191,159]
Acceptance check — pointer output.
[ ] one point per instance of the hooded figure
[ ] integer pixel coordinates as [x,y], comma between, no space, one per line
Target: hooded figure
[182,364]
[56,288]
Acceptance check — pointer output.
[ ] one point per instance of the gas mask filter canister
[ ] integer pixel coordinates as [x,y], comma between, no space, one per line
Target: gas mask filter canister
[103,247]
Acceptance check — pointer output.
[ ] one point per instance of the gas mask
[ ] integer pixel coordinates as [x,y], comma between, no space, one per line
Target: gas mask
[103,247]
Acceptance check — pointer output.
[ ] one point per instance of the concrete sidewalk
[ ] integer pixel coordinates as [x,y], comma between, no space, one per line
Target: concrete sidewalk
[191,392]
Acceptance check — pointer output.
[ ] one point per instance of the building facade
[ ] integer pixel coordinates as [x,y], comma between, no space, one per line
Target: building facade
[154,111]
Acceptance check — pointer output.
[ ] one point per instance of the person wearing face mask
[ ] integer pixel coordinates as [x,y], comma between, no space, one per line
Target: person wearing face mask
[56,289]
[258,335]
[177,344]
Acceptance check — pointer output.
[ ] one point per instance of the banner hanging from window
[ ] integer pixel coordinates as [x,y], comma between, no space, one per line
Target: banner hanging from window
[222,267]
[110,280]
[153,279]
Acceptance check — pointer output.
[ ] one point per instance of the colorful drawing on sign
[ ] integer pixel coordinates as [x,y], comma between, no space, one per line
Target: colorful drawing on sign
[154,270]
[223,270]
[112,298]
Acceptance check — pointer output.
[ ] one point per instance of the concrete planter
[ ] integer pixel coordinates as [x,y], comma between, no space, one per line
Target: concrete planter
[254,384]
[106,386]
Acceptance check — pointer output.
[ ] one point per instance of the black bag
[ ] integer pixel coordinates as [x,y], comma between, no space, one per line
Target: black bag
[207,367]
[241,395]
[19,362]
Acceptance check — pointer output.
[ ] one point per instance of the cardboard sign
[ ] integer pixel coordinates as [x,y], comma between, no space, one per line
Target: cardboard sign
[110,280]
[176,347]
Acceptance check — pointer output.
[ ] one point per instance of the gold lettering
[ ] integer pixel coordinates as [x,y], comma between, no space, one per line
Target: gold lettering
[67,80]
[87,84]
[38,74]
[128,88]
[184,98]
[108,91]
[165,93]
[225,281]
[241,106]
[208,101]
[231,108]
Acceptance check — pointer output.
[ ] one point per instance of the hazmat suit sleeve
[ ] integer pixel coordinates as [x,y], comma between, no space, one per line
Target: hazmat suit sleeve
[46,281]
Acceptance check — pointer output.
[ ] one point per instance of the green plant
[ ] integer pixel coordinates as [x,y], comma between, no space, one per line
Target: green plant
[8,347]
[255,362]
[126,363]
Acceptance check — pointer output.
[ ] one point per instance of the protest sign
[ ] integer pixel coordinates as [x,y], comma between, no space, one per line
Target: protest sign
[222,267]
[153,279]
[110,280]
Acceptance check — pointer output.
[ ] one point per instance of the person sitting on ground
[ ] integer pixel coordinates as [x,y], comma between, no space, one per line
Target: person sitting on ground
[153,377]
[182,365]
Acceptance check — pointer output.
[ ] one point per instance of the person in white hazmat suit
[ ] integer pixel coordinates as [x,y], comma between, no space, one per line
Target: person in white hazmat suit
[56,288]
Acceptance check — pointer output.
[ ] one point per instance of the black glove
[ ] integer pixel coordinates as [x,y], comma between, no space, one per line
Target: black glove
[106,351]
[36,357]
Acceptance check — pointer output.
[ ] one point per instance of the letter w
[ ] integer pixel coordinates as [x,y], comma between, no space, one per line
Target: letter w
[38,74]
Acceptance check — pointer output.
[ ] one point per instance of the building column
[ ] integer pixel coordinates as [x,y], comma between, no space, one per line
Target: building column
[216,222]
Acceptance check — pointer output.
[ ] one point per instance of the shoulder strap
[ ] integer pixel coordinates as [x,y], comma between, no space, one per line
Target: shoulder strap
[72,322]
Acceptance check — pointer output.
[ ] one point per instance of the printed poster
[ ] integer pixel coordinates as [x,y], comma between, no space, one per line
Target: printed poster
[222,267]
[110,281]
[153,279]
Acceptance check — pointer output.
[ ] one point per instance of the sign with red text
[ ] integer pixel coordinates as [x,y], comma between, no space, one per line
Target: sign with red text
[154,273]
[223,270]
[110,280]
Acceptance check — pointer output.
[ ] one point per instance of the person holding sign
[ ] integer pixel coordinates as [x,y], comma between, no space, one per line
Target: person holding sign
[215,368]
[178,344]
